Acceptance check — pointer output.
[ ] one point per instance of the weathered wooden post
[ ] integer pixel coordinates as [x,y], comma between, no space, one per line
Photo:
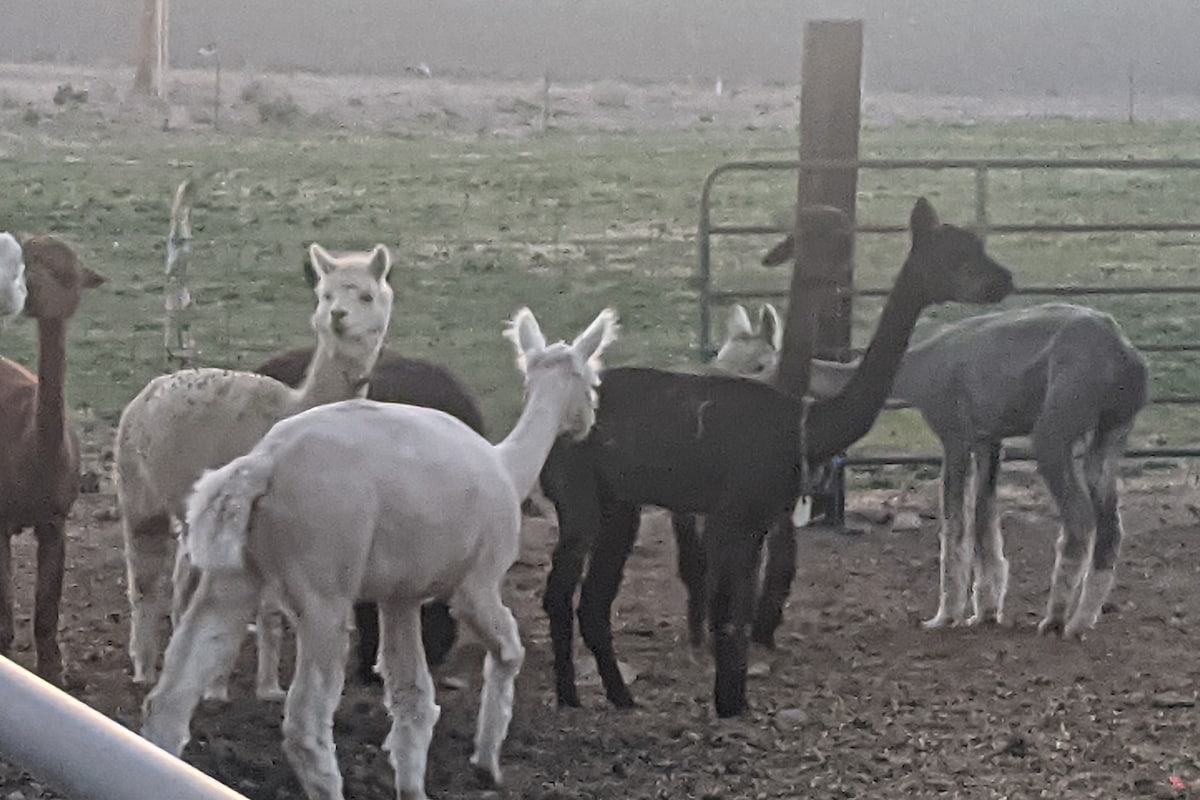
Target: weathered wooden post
[177,333]
[819,301]
[153,49]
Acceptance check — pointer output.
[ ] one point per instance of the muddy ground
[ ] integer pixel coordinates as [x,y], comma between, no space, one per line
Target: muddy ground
[858,701]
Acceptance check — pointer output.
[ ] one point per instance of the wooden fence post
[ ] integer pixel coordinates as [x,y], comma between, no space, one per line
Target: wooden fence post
[819,301]
[177,334]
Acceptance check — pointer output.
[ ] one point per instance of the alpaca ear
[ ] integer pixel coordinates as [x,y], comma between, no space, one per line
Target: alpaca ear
[90,278]
[381,262]
[310,272]
[591,344]
[780,253]
[738,323]
[320,261]
[770,328]
[922,220]
[525,333]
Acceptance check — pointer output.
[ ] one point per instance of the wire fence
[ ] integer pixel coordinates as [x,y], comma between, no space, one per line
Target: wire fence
[710,295]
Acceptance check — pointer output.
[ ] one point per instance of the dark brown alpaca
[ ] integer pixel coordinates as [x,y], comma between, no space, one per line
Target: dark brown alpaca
[39,451]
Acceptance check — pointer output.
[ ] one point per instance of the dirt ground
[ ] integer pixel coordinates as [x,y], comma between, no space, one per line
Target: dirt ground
[857,702]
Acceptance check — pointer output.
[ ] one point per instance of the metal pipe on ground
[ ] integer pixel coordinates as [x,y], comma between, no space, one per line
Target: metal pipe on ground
[84,753]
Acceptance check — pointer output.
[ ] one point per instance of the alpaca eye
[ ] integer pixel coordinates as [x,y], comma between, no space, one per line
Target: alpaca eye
[327,297]
[367,297]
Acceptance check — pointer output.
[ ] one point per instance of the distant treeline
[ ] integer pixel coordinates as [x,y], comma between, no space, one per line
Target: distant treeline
[975,47]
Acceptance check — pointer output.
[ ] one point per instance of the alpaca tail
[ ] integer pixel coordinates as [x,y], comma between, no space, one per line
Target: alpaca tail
[219,509]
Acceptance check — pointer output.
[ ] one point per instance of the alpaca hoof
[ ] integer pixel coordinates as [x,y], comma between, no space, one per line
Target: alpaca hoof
[622,699]
[1049,626]
[990,617]
[270,694]
[736,708]
[1077,628]
[569,698]
[942,620]
[487,777]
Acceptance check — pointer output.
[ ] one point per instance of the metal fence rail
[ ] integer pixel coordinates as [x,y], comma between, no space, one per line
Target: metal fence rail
[80,750]
[982,225]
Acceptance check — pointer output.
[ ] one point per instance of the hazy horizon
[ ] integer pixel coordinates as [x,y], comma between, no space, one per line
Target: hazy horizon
[974,48]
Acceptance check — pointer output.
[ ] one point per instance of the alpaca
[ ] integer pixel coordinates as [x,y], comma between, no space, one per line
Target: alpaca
[732,449]
[188,421]
[12,276]
[39,459]
[395,379]
[1065,375]
[391,503]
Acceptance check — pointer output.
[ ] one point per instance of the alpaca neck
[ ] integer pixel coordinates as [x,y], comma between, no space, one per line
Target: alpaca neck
[527,446]
[836,423]
[919,376]
[51,388]
[332,377]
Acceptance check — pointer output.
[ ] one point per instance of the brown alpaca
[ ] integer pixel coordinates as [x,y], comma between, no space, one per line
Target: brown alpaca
[39,451]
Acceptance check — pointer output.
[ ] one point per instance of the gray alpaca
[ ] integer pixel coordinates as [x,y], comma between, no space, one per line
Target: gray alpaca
[1064,375]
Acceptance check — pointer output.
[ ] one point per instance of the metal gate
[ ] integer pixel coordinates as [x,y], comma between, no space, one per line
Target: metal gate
[981,169]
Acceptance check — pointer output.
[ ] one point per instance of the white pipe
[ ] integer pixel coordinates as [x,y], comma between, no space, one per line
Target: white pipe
[84,753]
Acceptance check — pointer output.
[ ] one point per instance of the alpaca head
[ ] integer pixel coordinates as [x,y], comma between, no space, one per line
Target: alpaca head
[12,276]
[354,301]
[574,368]
[748,351]
[826,236]
[952,261]
[55,279]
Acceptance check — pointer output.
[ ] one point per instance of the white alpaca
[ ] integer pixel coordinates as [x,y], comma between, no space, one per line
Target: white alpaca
[189,421]
[383,502]
[1066,376]
[12,276]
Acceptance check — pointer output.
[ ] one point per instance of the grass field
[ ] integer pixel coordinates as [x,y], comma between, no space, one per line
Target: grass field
[564,222]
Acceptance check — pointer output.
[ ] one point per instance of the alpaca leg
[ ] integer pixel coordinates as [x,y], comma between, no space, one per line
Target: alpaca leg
[322,642]
[51,565]
[1100,472]
[201,648]
[690,559]
[268,635]
[438,631]
[777,581]
[366,622]
[578,521]
[606,568]
[408,695]
[495,625]
[6,595]
[147,559]
[1062,474]
[956,545]
[732,547]
[184,580]
[990,566]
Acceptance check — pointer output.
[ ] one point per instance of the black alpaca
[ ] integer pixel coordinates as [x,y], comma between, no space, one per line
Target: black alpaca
[397,379]
[730,449]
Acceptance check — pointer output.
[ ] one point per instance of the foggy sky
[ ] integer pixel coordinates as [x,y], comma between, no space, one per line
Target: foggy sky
[954,46]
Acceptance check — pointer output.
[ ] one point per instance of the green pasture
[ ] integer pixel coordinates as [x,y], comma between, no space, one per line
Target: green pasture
[564,223]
